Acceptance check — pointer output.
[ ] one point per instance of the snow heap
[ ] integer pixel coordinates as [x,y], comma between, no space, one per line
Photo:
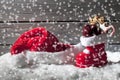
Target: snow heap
[39,70]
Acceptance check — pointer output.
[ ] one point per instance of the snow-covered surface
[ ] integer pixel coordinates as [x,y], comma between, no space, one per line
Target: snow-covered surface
[40,70]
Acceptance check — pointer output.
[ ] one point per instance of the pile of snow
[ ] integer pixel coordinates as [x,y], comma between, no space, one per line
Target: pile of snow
[43,71]
[113,56]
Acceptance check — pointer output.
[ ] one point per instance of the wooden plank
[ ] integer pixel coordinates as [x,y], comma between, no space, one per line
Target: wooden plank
[57,9]
[69,32]
[70,1]
[4,49]
[9,34]
[66,32]
[35,1]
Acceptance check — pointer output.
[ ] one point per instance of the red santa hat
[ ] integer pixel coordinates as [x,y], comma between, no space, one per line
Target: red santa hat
[37,39]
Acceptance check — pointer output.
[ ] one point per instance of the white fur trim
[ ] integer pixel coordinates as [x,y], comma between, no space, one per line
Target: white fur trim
[90,41]
[86,51]
[87,41]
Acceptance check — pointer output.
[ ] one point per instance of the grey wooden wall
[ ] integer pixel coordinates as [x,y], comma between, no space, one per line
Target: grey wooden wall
[64,18]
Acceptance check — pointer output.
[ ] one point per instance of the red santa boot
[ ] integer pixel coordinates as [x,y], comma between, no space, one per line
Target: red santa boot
[85,59]
[101,57]
[93,55]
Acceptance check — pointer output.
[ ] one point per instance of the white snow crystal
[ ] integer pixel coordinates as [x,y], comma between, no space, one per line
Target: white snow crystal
[18,60]
[40,71]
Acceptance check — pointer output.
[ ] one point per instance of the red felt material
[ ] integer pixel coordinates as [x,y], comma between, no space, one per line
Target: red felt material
[38,39]
[96,58]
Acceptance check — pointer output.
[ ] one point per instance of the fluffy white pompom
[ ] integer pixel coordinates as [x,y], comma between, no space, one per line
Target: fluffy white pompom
[86,51]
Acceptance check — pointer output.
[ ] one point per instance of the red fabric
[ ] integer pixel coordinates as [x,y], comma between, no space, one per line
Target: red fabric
[96,58]
[38,39]
[90,30]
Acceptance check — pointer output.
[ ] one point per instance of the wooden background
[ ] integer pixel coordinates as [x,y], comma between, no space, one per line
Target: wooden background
[64,18]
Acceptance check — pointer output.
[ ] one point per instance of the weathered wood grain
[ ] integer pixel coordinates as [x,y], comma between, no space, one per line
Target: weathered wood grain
[58,9]
[66,13]
[66,32]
